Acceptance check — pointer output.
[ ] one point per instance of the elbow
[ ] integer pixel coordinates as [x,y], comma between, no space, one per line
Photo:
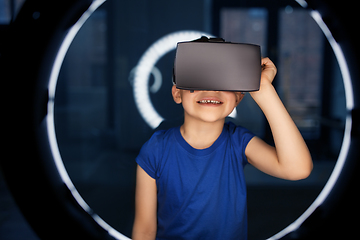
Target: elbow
[299,171]
[302,173]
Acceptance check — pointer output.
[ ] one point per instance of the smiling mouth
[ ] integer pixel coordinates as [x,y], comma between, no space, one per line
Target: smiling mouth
[210,102]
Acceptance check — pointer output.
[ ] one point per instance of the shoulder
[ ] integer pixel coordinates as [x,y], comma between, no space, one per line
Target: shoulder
[239,138]
[150,155]
[158,141]
[237,131]
[238,135]
[162,136]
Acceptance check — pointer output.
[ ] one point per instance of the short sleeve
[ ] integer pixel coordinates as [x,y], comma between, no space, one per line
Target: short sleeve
[148,157]
[240,137]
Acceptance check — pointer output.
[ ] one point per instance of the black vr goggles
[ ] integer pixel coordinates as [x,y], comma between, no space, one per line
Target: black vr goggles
[215,65]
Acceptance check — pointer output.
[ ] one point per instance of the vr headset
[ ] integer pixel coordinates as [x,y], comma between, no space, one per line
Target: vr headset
[215,65]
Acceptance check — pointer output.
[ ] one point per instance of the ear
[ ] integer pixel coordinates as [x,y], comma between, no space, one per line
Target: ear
[238,97]
[176,94]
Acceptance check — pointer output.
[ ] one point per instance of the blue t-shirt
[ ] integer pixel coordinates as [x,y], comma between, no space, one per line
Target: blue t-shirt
[201,193]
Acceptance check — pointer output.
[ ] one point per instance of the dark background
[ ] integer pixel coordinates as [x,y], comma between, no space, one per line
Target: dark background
[100,131]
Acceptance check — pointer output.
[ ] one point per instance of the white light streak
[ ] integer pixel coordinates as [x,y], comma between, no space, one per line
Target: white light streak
[233,114]
[50,118]
[340,58]
[145,67]
[157,80]
[302,3]
[142,98]
[347,135]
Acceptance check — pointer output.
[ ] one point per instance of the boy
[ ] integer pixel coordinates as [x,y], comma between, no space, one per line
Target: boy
[190,182]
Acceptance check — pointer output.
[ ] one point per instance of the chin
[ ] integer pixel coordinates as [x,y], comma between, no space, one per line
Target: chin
[213,120]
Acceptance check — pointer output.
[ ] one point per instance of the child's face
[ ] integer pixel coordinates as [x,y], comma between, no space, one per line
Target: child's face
[207,106]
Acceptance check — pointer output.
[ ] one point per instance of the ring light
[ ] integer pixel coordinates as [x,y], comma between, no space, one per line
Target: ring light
[53,205]
[51,123]
[349,95]
[145,67]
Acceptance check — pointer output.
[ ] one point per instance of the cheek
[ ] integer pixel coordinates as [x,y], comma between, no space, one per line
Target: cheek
[231,99]
[186,103]
[187,97]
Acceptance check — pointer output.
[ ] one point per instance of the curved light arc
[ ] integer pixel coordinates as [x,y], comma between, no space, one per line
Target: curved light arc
[349,95]
[145,66]
[51,124]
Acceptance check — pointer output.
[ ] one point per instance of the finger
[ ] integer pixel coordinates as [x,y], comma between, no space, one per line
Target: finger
[264,60]
[266,63]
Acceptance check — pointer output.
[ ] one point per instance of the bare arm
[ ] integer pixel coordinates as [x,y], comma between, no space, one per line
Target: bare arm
[290,158]
[145,224]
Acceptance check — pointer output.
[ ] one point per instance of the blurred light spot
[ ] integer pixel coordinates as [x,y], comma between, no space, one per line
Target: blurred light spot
[302,3]
[146,65]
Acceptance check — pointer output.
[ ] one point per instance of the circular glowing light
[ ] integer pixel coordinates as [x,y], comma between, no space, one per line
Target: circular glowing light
[146,65]
[142,71]
[51,124]
[157,79]
[349,94]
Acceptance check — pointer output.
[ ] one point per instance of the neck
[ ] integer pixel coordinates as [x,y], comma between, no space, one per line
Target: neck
[201,135]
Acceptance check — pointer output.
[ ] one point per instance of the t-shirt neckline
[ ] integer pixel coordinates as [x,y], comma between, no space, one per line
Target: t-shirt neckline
[199,152]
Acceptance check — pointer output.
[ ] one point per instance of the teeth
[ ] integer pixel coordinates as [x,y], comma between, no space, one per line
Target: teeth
[209,101]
